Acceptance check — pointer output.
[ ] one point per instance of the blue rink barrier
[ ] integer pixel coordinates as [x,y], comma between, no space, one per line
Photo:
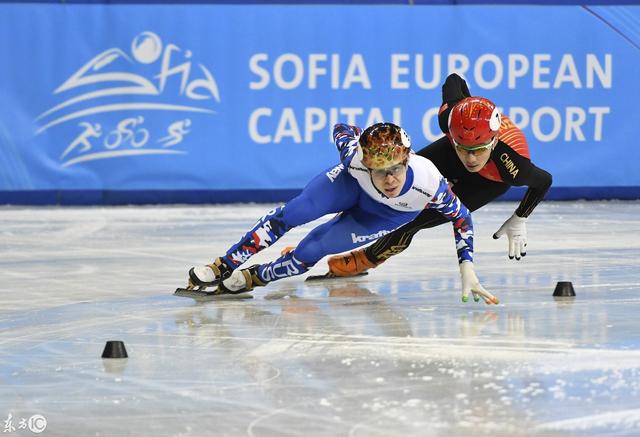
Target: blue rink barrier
[129,197]
[140,197]
[191,103]
[346,2]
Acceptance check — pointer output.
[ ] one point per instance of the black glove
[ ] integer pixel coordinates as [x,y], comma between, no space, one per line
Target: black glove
[454,89]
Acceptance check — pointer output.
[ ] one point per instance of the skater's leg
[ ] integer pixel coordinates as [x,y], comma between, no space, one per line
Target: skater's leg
[323,195]
[346,231]
[351,229]
[474,191]
[329,192]
[259,275]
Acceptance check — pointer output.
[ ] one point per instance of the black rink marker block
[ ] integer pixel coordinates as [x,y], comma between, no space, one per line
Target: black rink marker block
[114,349]
[564,289]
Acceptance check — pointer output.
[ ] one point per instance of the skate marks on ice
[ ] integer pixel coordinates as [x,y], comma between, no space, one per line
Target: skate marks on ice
[349,362]
[392,354]
[408,386]
[626,419]
[400,377]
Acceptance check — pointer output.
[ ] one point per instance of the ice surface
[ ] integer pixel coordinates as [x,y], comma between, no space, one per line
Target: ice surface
[395,353]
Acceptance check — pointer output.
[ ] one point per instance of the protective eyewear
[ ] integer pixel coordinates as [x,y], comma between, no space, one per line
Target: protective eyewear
[477,148]
[394,170]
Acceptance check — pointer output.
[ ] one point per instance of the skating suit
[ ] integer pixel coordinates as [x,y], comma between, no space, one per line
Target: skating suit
[509,165]
[363,214]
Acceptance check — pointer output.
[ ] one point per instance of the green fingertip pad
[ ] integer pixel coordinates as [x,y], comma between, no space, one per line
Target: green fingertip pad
[465,299]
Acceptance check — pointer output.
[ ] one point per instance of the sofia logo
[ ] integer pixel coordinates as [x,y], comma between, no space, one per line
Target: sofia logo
[144,101]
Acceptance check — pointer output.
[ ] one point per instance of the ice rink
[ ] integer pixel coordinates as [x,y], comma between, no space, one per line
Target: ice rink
[395,353]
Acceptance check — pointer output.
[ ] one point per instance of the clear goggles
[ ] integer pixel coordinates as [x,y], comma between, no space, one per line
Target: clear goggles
[476,148]
[394,170]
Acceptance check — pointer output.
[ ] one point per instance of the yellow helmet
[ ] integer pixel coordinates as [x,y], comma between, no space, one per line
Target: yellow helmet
[384,145]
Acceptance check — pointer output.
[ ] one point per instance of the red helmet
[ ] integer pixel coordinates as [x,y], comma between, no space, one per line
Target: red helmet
[474,122]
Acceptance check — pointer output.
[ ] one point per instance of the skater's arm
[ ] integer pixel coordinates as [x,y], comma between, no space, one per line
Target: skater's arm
[454,89]
[450,206]
[515,227]
[539,182]
[346,139]
[511,156]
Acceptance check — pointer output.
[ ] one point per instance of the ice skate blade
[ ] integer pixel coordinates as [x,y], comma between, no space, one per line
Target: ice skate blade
[210,295]
[330,276]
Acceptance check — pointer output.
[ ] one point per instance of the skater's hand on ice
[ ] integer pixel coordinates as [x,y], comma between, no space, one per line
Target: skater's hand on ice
[516,229]
[470,283]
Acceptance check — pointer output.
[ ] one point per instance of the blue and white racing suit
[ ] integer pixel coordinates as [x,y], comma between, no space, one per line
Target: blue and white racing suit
[364,214]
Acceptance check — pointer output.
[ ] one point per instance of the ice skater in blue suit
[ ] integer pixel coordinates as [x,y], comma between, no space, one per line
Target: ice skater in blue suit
[378,186]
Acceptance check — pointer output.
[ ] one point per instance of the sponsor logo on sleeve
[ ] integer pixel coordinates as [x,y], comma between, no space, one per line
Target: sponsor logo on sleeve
[509,165]
[334,172]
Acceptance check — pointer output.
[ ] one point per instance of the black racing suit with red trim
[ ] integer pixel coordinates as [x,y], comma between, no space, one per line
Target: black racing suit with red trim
[509,165]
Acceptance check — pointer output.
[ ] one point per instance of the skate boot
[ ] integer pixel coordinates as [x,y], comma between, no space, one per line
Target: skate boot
[241,281]
[208,276]
[350,264]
